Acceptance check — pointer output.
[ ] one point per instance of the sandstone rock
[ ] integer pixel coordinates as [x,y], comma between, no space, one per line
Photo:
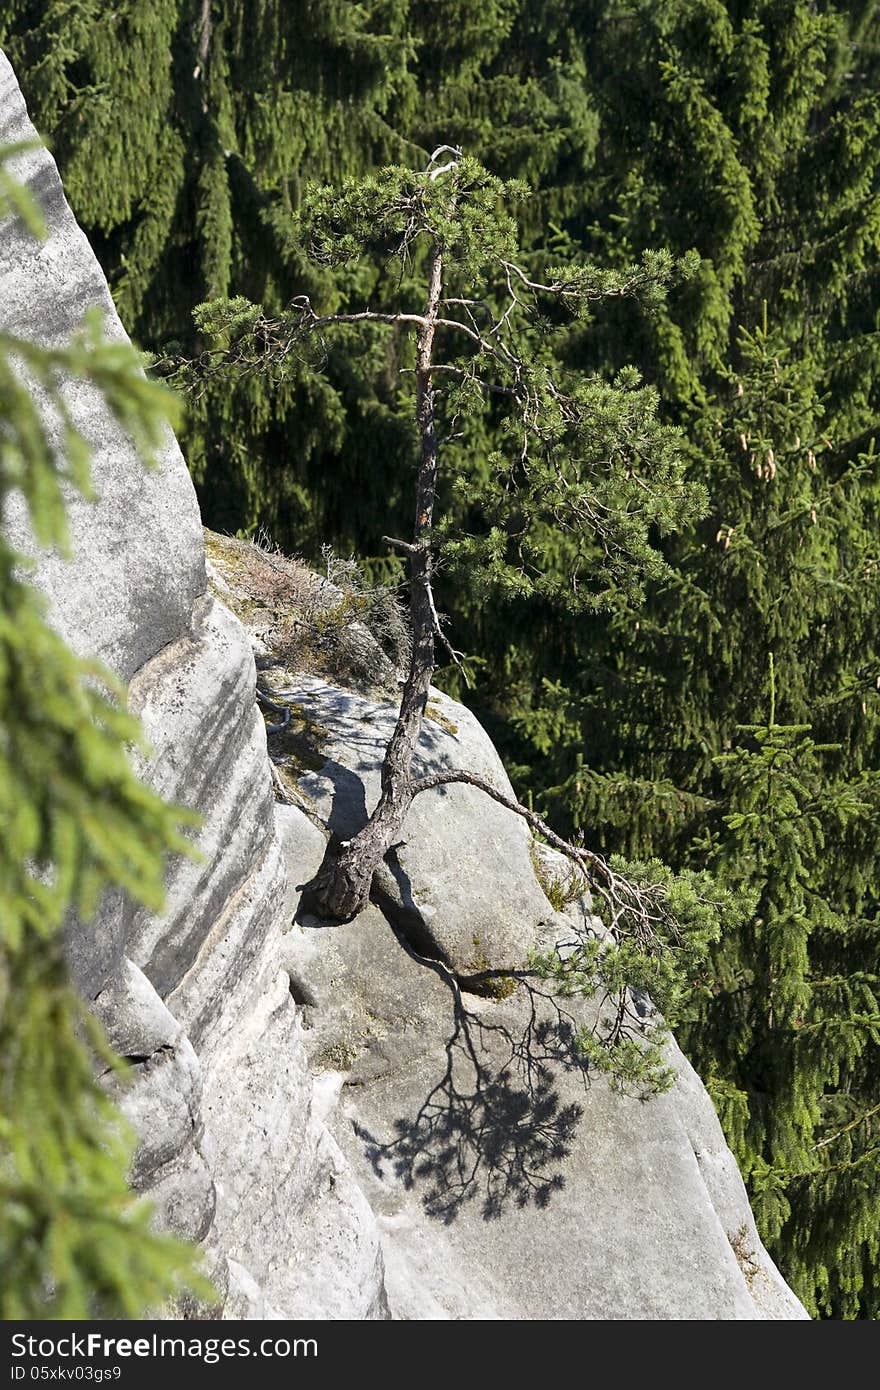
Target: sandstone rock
[461,879]
[507,1183]
[139,561]
[160,1097]
[208,751]
[222,1109]
[244,1297]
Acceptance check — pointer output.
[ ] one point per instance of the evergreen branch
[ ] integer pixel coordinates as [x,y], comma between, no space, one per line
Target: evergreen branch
[632,911]
[853,1124]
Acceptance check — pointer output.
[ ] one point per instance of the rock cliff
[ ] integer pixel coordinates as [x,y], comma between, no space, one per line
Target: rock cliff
[349,1131]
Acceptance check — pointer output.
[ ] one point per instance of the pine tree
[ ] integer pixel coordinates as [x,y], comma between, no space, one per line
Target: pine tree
[185,135]
[588,469]
[74,1242]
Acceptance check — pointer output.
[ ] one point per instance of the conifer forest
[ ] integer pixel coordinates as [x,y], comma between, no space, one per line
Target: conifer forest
[692,679]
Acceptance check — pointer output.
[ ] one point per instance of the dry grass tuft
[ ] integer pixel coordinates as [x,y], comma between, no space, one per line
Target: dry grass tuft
[333,625]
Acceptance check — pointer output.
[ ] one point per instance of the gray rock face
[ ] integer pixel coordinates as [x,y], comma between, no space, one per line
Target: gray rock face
[349,1132]
[140,561]
[196,703]
[508,1183]
[220,1094]
[462,878]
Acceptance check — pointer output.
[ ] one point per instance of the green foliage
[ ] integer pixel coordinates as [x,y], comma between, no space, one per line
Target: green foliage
[74,1243]
[746,134]
[387,211]
[74,820]
[183,132]
[784,567]
[227,318]
[587,476]
[168,128]
[607,476]
[794,1025]
[658,928]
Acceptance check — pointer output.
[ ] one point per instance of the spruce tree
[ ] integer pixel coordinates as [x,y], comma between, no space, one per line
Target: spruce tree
[790,1025]
[183,132]
[184,158]
[749,133]
[785,568]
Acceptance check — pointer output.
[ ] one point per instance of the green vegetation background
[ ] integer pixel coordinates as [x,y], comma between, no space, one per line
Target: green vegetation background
[730,720]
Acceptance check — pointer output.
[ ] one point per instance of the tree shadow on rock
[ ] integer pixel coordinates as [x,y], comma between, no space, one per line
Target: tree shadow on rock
[493,1128]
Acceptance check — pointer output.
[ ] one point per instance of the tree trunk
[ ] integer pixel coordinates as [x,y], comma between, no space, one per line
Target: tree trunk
[342,888]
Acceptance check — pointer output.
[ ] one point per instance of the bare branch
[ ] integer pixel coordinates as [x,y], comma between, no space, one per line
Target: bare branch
[443,639]
[853,1124]
[406,546]
[631,910]
[276,708]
